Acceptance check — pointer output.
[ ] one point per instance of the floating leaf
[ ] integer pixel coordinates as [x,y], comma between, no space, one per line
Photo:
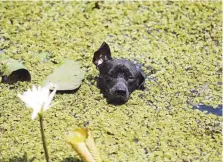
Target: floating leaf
[12,70]
[67,77]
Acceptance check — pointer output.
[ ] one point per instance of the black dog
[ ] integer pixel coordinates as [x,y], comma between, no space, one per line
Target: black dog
[118,78]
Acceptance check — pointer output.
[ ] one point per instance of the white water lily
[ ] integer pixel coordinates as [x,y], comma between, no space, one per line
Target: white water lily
[39,99]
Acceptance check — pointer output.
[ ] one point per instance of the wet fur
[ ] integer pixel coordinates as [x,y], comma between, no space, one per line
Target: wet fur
[118,78]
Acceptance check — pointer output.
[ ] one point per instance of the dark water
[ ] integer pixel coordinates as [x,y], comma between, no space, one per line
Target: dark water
[209,110]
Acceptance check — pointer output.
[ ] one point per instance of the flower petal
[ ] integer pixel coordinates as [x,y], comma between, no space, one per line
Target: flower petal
[39,89]
[39,99]
[34,88]
[47,103]
[29,99]
[34,114]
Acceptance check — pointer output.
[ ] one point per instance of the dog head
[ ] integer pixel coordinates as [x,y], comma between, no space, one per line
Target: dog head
[118,78]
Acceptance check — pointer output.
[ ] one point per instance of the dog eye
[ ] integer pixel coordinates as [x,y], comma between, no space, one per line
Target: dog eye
[131,78]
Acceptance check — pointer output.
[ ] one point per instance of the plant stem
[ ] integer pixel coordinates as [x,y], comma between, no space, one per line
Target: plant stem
[43,137]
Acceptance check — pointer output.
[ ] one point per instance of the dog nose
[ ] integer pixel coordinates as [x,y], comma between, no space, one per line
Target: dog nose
[120,92]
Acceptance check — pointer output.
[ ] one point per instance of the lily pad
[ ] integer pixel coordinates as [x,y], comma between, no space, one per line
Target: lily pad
[12,70]
[68,76]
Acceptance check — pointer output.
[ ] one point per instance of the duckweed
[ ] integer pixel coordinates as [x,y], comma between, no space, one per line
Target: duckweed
[179,45]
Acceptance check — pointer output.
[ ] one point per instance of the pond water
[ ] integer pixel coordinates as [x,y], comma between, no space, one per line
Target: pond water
[209,110]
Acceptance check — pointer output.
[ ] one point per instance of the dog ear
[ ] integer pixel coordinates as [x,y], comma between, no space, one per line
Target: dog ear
[142,77]
[102,54]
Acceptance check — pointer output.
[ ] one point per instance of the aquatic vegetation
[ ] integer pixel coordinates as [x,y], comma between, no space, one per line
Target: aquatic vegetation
[39,99]
[83,143]
[67,76]
[179,45]
[12,70]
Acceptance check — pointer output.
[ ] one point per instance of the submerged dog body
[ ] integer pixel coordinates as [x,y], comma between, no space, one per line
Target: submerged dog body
[118,78]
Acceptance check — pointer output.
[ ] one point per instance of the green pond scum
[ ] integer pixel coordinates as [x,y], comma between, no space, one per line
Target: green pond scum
[179,45]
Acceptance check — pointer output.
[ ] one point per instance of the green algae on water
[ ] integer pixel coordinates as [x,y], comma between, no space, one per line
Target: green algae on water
[179,44]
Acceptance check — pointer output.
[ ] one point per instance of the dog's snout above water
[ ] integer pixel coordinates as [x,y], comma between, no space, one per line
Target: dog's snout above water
[120,92]
[120,88]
